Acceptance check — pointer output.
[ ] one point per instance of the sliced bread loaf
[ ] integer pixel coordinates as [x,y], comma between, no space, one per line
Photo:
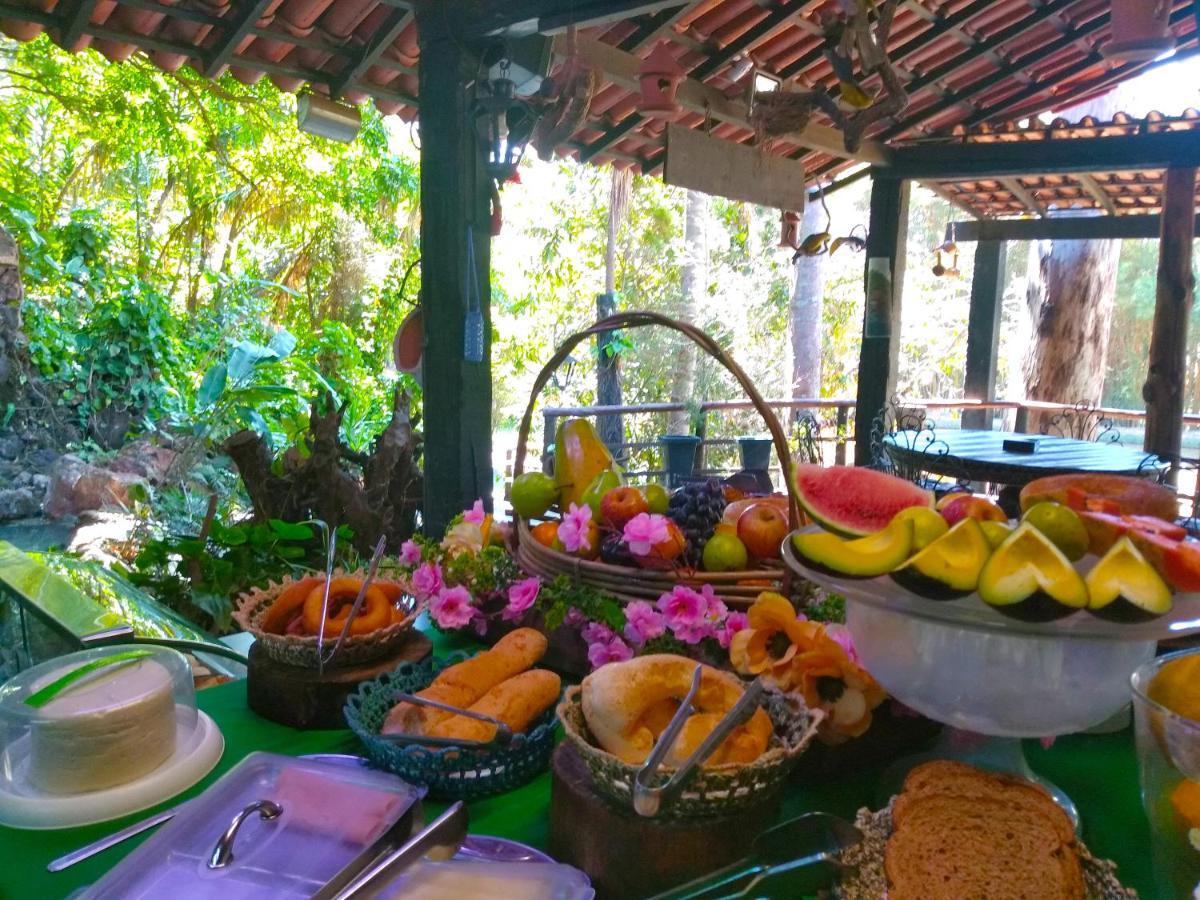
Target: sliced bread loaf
[960,833]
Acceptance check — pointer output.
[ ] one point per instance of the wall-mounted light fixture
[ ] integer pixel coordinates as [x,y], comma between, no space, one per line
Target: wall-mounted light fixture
[328,118]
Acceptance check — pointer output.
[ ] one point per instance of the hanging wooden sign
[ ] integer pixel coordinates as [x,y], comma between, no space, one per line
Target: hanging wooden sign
[700,162]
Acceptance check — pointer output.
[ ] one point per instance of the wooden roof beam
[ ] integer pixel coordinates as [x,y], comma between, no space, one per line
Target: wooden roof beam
[1075,228]
[237,30]
[1022,193]
[1097,191]
[384,37]
[481,17]
[695,96]
[75,22]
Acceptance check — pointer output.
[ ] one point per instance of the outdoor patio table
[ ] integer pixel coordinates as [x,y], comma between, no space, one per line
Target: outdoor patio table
[980,456]
[1098,771]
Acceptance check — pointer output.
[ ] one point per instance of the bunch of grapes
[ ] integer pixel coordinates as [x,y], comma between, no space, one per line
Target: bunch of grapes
[697,508]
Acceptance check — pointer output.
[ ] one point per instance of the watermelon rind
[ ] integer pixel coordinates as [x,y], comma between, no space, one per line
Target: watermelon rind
[853,501]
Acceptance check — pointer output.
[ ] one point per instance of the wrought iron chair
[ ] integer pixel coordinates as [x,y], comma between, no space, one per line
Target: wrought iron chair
[1183,476]
[909,429]
[1084,422]
[808,439]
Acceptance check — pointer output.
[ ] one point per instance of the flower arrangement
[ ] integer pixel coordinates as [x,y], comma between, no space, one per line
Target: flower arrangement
[814,660]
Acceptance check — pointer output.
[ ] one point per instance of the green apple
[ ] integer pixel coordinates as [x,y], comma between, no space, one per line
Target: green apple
[532,494]
[724,552]
[657,498]
[601,485]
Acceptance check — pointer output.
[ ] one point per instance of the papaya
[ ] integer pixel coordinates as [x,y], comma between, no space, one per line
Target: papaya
[579,456]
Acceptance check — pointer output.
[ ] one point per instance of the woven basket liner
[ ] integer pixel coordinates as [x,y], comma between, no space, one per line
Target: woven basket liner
[624,582]
[301,650]
[712,791]
[450,773]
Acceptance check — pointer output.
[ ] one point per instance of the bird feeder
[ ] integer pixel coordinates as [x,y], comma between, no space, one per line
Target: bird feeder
[1141,29]
[660,76]
[789,230]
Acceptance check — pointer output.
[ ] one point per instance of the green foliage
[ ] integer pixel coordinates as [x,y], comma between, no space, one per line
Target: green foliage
[200,577]
[559,597]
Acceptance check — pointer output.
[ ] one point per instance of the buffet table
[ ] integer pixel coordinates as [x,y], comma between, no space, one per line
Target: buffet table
[1098,771]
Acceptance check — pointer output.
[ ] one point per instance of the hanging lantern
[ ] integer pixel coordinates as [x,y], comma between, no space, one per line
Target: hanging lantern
[1141,29]
[789,230]
[660,76]
[504,123]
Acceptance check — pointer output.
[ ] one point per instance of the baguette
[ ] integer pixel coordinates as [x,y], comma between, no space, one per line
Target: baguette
[516,702]
[464,683]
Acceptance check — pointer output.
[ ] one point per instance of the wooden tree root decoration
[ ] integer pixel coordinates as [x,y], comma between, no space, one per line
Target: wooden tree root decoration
[373,493]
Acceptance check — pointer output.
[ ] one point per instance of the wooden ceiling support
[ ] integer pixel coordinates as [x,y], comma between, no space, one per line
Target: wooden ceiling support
[1163,390]
[1097,192]
[75,22]
[481,17]
[236,31]
[695,96]
[775,18]
[983,331]
[1075,228]
[395,23]
[1022,193]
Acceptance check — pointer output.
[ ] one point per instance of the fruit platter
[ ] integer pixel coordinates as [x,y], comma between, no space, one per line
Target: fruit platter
[1026,628]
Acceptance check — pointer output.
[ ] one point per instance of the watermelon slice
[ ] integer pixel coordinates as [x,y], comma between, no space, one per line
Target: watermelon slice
[854,501]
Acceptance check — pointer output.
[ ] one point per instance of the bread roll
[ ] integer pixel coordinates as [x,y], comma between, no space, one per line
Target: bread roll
[516,702]
[464,683]
[628,704]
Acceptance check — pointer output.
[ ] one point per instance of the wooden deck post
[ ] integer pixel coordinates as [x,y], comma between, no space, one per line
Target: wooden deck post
[454,202]
[1163,391]
[983,330]
[883,282]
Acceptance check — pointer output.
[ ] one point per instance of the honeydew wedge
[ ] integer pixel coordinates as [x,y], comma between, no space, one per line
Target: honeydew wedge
[950,566]
[1123,586]
[1030,579]
[866,557]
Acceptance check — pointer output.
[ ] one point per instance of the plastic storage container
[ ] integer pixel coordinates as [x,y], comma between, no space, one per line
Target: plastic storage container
[302,821]
[99,734]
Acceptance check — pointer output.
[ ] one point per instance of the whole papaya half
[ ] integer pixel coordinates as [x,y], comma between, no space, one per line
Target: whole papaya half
[579,456]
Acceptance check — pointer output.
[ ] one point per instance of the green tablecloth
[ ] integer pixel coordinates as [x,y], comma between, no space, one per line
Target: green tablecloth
[1098,771]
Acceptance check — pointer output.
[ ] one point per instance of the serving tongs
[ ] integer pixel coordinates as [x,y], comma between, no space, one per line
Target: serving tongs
[372,568]
[502,738]
[648,797]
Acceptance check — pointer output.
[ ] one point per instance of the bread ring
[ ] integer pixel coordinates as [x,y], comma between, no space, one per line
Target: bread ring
[288,604]
[376,611]
[628,704]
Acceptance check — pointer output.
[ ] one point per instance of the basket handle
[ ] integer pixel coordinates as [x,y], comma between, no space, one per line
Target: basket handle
[642,319]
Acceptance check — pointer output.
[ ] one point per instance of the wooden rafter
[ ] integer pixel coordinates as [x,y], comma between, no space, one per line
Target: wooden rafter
[384,37]
[1022,193]
[75,22]
[1099,194]
[1053,228]
[238,29]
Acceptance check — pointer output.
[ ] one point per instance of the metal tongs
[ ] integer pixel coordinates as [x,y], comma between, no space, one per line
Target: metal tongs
[648,799]
[372,568]
[502,738]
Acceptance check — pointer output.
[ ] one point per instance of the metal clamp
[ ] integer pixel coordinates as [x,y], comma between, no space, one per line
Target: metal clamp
[648,798]
[502,738]
[222,854]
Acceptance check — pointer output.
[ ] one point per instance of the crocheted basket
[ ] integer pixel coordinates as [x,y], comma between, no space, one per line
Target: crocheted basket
[711,791]
[450,773]
[301,650]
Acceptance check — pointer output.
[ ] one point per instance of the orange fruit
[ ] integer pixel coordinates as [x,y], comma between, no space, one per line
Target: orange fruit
[545,533]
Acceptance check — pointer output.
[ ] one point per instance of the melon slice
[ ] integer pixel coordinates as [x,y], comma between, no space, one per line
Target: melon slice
[855,501]
[1123,587]
[1028,578]
[950,566]
[864,557]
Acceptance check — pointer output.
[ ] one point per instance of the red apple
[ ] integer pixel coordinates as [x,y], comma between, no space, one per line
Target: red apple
[762,528]
[968,506]
[621,504]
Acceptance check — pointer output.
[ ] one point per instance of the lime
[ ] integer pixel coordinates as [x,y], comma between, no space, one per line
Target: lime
[657,498]
[724,552]
[532,494]
[1061,525]
[928,525]
[995,532]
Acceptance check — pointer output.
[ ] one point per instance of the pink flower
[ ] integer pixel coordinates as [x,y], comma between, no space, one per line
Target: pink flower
[683,606]
[645,530]
[521,596]
[693,632]
[410,553]
[596,633]
[642,623]
[452,608]
[603,652]
[733,623]
[427,580]
[715,610]
[573,529]
[841,636]
[475,515]
[575,617]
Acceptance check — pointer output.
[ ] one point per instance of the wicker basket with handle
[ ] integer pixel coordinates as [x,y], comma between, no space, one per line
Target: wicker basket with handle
[629,583]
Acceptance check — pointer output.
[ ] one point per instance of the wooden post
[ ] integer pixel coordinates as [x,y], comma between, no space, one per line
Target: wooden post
[454,201]
[883,281]
[608,375]
[983,331]
[1163,391]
